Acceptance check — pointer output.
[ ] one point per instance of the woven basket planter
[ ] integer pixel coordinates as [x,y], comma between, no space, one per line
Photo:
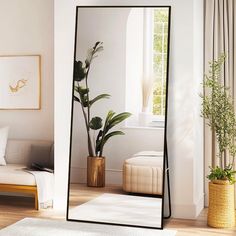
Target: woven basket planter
[221,212]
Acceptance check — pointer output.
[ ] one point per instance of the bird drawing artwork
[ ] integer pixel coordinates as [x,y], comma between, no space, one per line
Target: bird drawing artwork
[19,85]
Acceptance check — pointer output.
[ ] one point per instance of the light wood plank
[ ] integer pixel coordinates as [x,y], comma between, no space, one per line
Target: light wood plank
[21,189]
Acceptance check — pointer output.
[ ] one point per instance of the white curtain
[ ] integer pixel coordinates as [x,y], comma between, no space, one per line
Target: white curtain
[220,37]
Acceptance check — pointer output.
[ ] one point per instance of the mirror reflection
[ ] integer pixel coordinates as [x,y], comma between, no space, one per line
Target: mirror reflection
[118,115]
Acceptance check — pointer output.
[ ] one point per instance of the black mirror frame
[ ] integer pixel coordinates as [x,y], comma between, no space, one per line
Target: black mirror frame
[165,162]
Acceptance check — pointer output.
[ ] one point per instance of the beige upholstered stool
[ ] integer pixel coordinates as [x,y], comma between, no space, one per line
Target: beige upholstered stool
[143,173]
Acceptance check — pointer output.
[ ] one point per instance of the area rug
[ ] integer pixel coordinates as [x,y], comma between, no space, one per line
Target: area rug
[120,209]
[42,227]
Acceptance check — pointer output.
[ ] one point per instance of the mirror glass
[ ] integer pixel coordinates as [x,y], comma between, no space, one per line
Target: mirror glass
[119,115]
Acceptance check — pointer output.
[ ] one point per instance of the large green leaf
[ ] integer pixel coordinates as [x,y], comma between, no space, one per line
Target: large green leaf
[99,97]
[110,114]
[111,121]
[113,133]
[79,71]
[118,119]
[95,123]
[100,144]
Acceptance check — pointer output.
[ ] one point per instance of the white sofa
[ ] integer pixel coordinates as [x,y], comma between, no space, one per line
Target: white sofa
[12,176]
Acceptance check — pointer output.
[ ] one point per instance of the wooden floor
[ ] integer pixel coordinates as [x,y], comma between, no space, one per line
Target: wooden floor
[81,193]
[13,209]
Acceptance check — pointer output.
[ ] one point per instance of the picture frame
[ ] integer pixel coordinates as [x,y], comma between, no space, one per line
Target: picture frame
[20,77]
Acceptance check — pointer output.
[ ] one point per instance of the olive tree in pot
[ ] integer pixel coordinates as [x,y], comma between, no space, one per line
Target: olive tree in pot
[95,159]
[218,110]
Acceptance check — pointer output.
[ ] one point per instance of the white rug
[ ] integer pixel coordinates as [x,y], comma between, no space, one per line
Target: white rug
[42,227]
[120,209]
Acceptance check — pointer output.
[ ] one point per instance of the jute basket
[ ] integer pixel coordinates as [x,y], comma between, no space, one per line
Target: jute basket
[221,212]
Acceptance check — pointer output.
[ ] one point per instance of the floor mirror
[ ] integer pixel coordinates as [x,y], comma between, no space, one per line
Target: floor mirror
[119,114]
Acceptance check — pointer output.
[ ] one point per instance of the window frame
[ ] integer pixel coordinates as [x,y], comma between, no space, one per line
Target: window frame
[148,61]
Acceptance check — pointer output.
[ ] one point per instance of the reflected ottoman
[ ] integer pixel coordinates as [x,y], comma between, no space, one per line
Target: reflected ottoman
[143,173]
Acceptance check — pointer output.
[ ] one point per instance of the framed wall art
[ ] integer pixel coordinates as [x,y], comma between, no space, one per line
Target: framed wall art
[20,82]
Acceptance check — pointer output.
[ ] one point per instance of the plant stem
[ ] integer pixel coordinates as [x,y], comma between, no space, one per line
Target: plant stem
[224,158]
[233,161]
[90,144]
[90,148]
[213,138]
[221,161]
[86,82]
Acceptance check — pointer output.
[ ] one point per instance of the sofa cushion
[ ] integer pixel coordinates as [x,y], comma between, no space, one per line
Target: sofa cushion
[18,150]
[15,174]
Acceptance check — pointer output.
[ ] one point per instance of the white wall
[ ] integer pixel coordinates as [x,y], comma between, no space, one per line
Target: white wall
[64,32]
[198,129]
[26,27]
[134,63]
[185,140]
[185,127]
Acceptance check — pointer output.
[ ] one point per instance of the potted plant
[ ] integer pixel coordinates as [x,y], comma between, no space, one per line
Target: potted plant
[218,110]
[95,159]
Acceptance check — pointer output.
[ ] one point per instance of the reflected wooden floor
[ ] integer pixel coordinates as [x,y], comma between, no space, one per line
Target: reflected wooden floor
[81,193]
[13,209]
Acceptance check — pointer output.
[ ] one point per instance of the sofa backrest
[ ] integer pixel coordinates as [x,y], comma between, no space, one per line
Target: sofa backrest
[18,150]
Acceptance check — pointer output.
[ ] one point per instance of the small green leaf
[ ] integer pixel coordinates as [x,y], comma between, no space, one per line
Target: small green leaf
[118,119]
[99,97]
[96,44]
[103,141]
[95,123]
[76,99]
[110,114]
[83,93]
[91,53]
[114,133]
[79,71]
[82,90]
[222,174]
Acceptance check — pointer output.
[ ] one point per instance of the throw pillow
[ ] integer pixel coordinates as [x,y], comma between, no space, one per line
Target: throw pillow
[3,144]
[41,154]
[51,162]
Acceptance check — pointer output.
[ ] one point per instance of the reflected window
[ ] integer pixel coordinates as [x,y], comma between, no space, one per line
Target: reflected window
[155,57]
[160,42]
[146,66]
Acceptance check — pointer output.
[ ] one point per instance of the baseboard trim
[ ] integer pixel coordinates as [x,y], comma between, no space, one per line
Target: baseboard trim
[113,176]
[188,211]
